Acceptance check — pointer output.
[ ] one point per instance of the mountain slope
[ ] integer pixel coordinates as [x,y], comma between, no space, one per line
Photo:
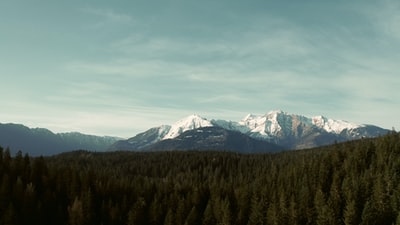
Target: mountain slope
[163,132]
[214,138]
[40,141]
[142,140]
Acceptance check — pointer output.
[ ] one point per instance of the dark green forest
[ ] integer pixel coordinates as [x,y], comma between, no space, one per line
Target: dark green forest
[355,182]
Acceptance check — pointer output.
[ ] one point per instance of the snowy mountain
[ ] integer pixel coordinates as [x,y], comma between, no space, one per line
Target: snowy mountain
[163,132]
[289,131]
[189,123]
[296,131]
[276,123]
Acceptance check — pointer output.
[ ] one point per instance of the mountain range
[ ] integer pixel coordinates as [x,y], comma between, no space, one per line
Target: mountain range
[40,141]
[273,131]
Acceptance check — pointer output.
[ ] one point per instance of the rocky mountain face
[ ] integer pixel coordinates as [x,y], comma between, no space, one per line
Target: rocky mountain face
[277,128]
[299,132]
[40,141]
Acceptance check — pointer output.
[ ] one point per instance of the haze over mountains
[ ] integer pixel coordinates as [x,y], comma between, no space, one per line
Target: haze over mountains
[40,141]
[274,131]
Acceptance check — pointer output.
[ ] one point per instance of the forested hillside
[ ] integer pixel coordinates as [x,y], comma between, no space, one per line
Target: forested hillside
[350,183]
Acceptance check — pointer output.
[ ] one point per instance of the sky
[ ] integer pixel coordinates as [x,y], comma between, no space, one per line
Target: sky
[120,67]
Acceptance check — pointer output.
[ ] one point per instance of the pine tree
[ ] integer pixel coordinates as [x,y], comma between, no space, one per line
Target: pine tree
[75,212]
[208,216]
[181,212]
[87,207]
[29,205]
[283,209]
[350,213]
[6,161]
[325,214]
[257,211]
[5,192]
[397,220]
[156,212]
[273,214]
[222,209]
[193,217]
[293,212]
[169,218]
[378,209]
[137,214]
[243,205]
[9,217]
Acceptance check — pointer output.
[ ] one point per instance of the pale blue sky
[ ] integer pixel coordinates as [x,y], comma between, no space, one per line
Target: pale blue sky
[120,67]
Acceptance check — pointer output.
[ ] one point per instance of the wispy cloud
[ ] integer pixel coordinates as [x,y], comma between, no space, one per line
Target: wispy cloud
[107,16]
[385,17]
[278,62]
[255,65]
[227,63]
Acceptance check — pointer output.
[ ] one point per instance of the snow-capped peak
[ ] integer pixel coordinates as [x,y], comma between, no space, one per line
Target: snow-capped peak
[335,126]
[272,124]
[266,125]
[252,121]
[275,112]
[274,121]
[189,123]
[250,117]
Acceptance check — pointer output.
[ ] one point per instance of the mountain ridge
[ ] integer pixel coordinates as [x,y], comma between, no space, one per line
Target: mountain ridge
[41,141]
[290,131]
[276,129]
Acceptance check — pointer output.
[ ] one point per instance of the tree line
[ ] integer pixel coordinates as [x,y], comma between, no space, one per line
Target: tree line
[355,182]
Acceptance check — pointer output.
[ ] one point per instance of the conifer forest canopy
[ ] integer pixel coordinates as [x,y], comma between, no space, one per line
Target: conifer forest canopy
[355,182]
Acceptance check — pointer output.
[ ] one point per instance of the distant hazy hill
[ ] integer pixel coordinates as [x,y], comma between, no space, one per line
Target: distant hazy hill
[40,141]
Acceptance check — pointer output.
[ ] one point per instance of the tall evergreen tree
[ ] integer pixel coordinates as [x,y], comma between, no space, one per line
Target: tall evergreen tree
[75,212]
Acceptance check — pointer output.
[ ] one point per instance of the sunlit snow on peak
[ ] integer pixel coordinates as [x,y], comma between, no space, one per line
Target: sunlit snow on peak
[275,112]
[263,126]
[189,123]
[335,126]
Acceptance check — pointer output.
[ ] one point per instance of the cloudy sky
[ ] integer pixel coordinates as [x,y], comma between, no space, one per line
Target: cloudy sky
[120,67]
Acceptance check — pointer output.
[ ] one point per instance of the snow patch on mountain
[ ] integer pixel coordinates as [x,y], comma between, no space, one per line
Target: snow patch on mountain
[275,121]
[256,124]
[267,125]
[163,130]
[231,125]
[333,126]
[189,123]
